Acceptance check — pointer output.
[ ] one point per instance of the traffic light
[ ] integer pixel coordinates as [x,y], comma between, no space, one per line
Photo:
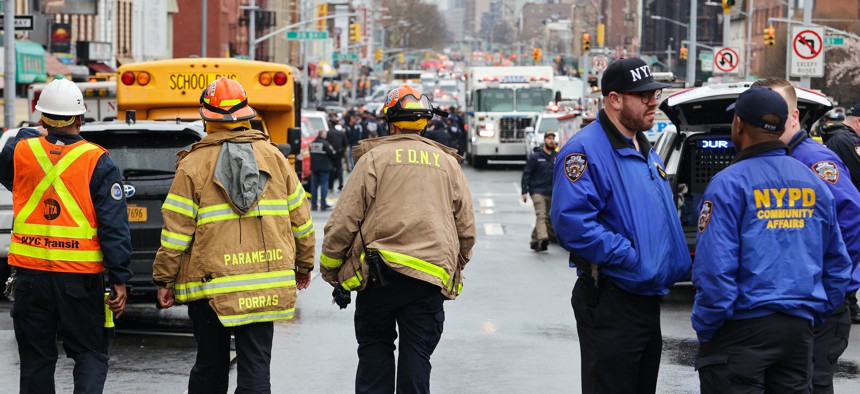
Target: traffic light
[536,54]
[355,32]
[586,43]
[769,36]
[322,12]
[683,53]
[378,56]
[400,58]
[727,6]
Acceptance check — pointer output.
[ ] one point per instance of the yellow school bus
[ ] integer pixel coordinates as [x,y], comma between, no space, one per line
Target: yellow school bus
[171,89]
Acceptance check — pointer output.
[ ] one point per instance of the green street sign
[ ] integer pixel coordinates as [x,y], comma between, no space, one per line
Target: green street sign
[348,56]
[834,40]
[307,35]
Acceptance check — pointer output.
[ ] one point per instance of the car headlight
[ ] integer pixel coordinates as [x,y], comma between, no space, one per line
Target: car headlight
[487,130]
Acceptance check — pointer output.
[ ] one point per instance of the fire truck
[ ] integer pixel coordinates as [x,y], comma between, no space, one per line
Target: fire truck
[503,102]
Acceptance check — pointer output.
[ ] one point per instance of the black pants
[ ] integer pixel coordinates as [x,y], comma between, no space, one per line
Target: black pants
[73,304]
[831,340]
[769,354]
[336,172]
[211,370]
[619,338]
[415,308]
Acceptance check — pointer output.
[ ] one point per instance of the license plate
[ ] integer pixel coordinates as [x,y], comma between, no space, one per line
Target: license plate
[136,213]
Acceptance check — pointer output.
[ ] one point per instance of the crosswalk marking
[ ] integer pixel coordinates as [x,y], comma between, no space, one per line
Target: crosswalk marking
[493,229]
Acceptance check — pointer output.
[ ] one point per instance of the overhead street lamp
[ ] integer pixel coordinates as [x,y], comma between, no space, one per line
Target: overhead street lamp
[670,20]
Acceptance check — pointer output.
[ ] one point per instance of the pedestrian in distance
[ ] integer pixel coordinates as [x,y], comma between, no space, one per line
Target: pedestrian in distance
[322,163]
[70,226]
[337,139]
[844,139]
[401,235]
[612,209]
[237,243]
[770,260]
[830,337]
[537,182]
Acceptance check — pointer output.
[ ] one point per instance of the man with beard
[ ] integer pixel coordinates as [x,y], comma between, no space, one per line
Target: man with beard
[613,211]
[537,181]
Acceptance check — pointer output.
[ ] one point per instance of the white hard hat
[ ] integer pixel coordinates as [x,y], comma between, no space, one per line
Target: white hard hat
[61,97]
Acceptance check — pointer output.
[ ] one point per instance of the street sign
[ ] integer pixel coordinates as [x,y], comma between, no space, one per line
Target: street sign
[599,63]
[22,22]
[346,56]
[834,40]
[726,60]
[806,57]
[307,35]
[706,61]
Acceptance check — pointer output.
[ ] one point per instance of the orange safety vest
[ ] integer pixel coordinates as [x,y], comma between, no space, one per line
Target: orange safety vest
[55,221]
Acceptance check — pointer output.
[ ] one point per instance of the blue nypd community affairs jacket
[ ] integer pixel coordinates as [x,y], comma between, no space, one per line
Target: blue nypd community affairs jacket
[768,242]
[612,206]
[830,168]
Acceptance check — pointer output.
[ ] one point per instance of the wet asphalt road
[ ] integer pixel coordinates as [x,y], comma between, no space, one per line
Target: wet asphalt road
[511,331]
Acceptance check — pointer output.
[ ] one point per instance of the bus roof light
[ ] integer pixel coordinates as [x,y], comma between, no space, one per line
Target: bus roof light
[265,79]
[280,78]
[143,78]
[128,78]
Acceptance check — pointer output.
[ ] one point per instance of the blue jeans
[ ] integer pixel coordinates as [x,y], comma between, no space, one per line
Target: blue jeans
[319,180]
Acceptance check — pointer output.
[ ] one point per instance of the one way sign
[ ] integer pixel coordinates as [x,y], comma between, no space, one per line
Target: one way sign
[726,61]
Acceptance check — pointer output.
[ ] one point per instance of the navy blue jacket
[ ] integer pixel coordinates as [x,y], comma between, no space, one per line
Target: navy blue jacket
[612,206]
[768,242]
[322,155]
[845,142]
[832,170]
[112,215]
[537,175]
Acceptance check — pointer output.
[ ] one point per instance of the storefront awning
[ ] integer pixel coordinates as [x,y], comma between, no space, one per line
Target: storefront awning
[54,67]
[29,62]
[99,67]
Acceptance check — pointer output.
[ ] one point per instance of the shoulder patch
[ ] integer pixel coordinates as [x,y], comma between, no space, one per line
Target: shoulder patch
[116,191]
[857,150]
[705,215]
[827,170]
[574,166]
[661,171]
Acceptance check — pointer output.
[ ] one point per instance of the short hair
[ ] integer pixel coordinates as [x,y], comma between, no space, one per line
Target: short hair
[780,83]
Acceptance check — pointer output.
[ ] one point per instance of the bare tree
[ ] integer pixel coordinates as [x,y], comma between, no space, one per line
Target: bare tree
[843,72]
[415,24]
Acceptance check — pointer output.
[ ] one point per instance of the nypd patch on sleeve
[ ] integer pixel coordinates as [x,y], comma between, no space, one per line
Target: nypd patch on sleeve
[826,170]
[574,166]
[705,215]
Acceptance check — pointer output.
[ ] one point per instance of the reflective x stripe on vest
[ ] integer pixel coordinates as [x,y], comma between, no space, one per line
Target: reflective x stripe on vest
[233,284]
[220,212]
[83,230]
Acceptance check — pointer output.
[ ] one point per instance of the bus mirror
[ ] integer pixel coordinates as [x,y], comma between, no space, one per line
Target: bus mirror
[285,149]
[294,139]
[557,96]
[130,116]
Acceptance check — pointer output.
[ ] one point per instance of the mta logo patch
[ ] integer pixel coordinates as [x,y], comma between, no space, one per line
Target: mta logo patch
[827,171]
[574,166]
[116,191]
[705,215]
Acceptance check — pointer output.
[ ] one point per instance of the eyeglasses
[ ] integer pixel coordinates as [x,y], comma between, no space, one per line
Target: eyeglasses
[646,95]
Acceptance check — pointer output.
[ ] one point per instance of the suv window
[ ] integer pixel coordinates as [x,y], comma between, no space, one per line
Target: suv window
[150,153]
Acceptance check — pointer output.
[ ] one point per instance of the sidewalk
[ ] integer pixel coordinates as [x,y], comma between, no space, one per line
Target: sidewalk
[22,111]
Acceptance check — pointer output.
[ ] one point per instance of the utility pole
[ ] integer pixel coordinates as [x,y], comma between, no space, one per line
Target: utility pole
[750,12]
[9,63]
[805,82]
[669,53]
[691,38]
[252,27]
[203,29]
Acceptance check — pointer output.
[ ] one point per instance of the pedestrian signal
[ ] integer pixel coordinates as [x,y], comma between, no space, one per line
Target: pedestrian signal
[769,36]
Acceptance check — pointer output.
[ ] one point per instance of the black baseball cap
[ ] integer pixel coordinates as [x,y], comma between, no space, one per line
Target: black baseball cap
[853,111]
[629,75]
[549,133]
[757,102]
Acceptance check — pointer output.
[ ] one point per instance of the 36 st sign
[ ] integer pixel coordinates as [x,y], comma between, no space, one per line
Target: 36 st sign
[22,22]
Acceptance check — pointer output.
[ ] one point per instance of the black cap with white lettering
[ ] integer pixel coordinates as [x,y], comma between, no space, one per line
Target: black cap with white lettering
[629,75]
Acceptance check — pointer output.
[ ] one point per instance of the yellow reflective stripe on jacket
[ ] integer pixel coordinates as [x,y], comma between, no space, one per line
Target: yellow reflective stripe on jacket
[295,200]
[329,262]
[180,205]
[304,230]
[83,256]
[214,213]
[352,283]
[175,241]
[52,178]
[416,263]
[257,317]
[232,284]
